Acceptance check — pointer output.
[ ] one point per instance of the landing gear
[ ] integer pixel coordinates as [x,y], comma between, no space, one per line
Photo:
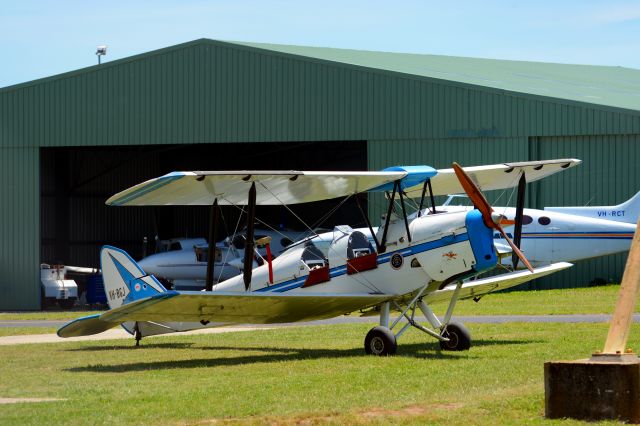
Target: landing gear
[380,341]
[459,338]
[452,336]
[137,334]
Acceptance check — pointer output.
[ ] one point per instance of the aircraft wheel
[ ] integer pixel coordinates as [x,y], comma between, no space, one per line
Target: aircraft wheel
[380,341]
[459,338]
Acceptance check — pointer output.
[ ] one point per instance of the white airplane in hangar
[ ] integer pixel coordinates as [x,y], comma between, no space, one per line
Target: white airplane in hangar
[415,260]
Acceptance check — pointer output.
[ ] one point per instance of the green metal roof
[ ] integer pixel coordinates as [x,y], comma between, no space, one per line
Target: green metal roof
[602,85]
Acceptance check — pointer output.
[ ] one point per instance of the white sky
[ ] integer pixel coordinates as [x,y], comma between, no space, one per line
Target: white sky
[43,38]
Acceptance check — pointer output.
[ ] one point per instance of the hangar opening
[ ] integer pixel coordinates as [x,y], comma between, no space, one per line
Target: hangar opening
[76,182]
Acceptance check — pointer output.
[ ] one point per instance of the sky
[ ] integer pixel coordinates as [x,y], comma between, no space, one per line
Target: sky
[43,38]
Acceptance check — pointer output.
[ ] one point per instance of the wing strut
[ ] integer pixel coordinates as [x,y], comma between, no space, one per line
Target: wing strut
[517,232]
[213,237]
[427,184]
[249,244]
[383,243]
[404,213]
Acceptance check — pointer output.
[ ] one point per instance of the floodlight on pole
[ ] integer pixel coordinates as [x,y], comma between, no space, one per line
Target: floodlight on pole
[101,51]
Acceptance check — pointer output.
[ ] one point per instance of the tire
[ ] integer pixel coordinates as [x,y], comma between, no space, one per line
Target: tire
[459,338]
[67,303]
[380,341]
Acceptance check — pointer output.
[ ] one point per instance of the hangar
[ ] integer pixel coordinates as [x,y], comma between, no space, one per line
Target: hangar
[69,141]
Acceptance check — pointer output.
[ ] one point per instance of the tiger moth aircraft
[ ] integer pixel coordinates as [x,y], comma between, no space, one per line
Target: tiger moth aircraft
[414,261]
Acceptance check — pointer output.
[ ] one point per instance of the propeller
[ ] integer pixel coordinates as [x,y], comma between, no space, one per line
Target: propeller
[491,219]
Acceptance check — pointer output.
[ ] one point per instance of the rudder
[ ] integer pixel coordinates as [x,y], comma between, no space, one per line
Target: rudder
[124,279]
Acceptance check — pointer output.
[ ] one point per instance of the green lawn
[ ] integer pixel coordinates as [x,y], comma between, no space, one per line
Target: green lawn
[587,300]
[45,315]
[306,375]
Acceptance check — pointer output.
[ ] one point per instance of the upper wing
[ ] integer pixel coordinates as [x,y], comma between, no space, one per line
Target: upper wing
[250,307]
[232,187]
[487,285]
[497,176]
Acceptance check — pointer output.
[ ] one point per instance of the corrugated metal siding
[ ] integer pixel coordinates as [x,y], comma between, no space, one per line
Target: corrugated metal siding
[219,92]
[19,230]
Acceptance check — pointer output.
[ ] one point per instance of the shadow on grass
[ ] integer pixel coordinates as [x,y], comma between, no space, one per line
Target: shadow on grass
[132,346]
[275,354]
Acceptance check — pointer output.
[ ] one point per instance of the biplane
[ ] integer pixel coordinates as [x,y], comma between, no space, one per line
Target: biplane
[413,260]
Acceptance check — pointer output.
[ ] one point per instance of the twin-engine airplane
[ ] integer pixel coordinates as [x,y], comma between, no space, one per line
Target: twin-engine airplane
[414,260]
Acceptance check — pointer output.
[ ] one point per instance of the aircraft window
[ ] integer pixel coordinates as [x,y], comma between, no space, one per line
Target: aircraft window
[175,246]
[544,220]
[203,252]
[285,242]
[313,257]
[526,219]
[358,245]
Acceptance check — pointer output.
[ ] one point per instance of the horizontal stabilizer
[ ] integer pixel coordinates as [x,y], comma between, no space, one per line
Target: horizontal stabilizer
[479,287]
[85,326]
[254,308]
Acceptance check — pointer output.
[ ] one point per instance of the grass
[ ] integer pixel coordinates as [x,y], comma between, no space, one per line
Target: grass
[315,374]
[587,300]
[15,331]
[46,315]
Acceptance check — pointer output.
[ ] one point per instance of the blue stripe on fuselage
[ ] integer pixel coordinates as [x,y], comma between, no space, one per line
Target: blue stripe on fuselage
[383,258]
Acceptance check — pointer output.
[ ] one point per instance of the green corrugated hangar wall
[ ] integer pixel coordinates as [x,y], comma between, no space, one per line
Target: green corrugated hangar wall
[208,91]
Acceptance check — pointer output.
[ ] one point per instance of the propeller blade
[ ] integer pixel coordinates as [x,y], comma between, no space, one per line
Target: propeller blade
[481,203]
[474,194]
[515,248]
[507,222]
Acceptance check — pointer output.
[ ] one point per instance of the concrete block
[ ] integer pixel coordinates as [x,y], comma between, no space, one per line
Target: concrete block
[593,389]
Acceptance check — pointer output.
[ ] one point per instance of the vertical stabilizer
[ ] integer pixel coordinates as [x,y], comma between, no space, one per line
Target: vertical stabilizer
[124,280]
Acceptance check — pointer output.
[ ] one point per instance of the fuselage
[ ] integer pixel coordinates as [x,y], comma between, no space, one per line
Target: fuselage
[442,246]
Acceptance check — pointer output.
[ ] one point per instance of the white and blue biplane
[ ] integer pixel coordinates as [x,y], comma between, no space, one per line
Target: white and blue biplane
[413,261]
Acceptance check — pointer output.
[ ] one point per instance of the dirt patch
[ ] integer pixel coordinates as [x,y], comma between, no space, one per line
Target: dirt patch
[410,411]
[356,417]
[21,400]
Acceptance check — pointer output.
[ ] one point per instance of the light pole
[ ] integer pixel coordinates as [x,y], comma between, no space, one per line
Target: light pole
[101,51]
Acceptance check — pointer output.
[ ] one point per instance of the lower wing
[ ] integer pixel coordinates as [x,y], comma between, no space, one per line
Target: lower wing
[483,286]
[255,308]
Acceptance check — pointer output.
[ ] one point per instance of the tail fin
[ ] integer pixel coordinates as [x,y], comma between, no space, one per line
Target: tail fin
[631,208]
[124,280]
[626,212]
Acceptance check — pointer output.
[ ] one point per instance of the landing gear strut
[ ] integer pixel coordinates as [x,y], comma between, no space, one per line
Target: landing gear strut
[453,336]
[136,334]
